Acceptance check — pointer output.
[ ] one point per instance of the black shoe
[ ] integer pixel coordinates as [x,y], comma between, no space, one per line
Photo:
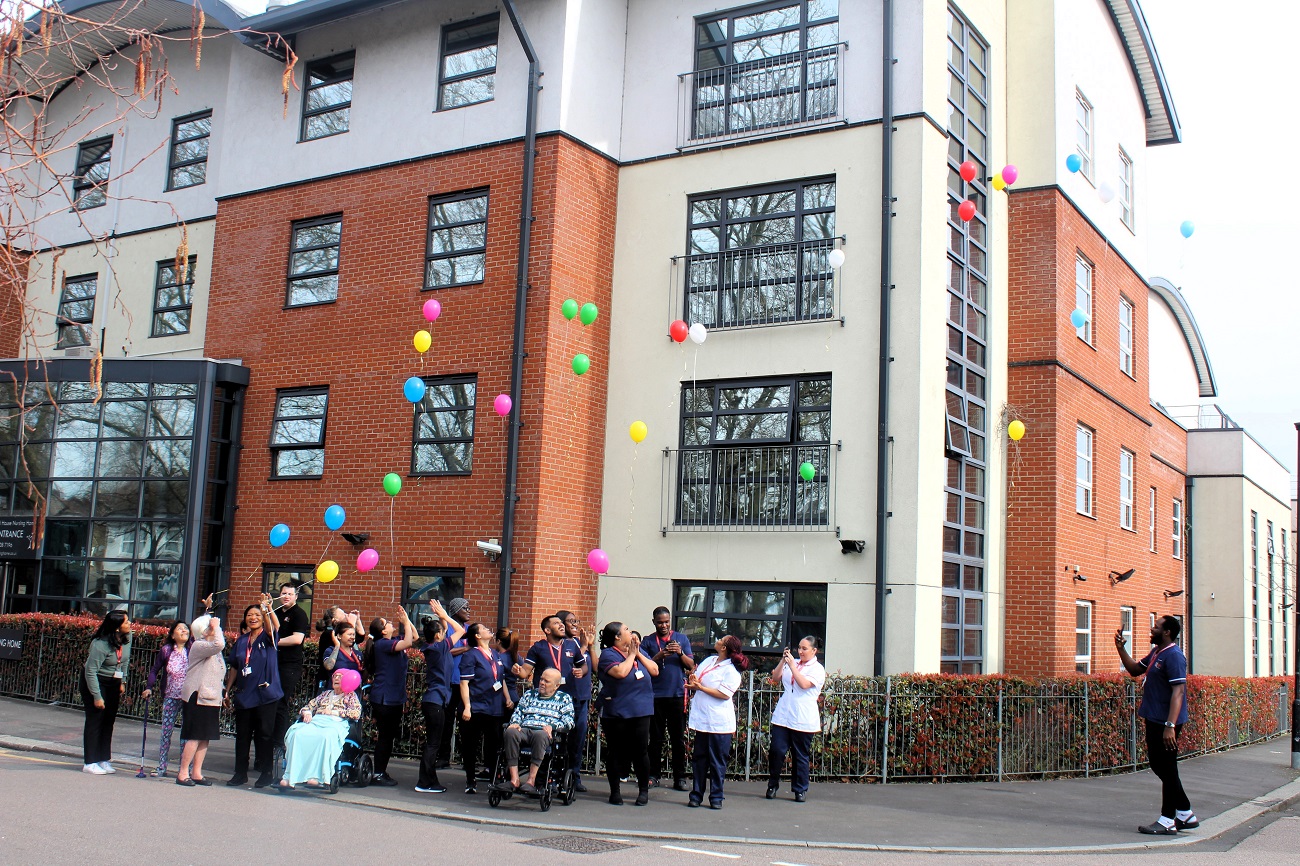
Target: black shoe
[579,787]
[442,765]
[430,789]
[771,792]
[205,782]
[264,780]
[1190,824]
[715,805]
[1157,829]
[680,785]
[616,799]
[693,801]
[236,781]
[800,796]
[470,789]
[186,783]
[384,780]
[642,797]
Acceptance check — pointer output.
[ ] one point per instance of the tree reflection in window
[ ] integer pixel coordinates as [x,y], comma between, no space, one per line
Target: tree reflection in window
[443,441]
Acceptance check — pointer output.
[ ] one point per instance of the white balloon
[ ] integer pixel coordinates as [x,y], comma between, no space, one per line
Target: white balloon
[698,333]
[1105,192]
[835,258]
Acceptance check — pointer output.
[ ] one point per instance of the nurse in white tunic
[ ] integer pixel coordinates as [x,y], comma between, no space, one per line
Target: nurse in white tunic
[796,717]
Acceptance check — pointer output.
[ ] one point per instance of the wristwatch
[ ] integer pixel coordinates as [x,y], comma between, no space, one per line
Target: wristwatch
[1169,724]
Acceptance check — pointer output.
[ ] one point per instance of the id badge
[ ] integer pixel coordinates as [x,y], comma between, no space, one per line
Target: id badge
[561,681]
[117,675]
[496,686]
[248,672]
[639,673]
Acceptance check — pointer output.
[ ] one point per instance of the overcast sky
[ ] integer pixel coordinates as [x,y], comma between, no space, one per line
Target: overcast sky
[1234,175]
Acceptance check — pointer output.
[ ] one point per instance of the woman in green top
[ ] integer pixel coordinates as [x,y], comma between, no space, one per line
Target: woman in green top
[102,686]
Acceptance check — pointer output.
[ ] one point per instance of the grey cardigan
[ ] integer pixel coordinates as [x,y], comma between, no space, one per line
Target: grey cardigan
[206,671]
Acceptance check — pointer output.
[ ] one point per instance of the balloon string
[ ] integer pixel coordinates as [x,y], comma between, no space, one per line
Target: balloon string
[252,574]
[631,470]
[392,546]
[321,558]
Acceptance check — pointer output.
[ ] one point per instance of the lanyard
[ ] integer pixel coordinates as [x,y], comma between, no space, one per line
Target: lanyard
[1155,658]
[664,641]
[702,674]
[119,657]
[348,653]
[248,653]
[492,663]
[555,654]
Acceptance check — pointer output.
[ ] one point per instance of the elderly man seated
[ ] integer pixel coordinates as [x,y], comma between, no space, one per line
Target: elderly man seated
[540,714]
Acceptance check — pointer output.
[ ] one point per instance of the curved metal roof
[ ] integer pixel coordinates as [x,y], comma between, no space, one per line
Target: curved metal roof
[1162,119]
[1173,299]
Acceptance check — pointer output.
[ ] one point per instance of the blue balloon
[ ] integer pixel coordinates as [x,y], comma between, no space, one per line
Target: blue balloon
[414,389]
[279,535]
[1187,228]
[1073,163]
[1078,318]
[334,517]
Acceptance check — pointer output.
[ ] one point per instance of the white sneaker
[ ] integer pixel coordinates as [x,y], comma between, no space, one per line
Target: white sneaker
[107,766]
[94,770]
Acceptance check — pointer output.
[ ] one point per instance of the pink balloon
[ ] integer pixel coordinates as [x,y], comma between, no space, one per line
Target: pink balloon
[1010,173]
[349,680]
[598,561]
[502,404]
[432,309]
[367,559]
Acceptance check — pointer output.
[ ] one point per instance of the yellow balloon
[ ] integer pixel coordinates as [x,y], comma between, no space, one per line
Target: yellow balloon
[423,340]
[1016,430]
[998,183]
[327,571]
[638,431]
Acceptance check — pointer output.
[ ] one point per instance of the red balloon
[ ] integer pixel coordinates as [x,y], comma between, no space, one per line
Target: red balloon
[968,171]
[679,331]
[966,210]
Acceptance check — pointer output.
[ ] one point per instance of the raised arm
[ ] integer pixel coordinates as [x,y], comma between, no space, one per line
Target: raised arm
[408,632]
[1131,665]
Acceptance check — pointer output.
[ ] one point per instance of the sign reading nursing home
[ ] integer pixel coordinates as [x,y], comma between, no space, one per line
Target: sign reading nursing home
[16,540]
[11,643]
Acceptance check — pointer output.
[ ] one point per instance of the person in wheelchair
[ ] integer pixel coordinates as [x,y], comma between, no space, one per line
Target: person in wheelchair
[313,744]
[540,714]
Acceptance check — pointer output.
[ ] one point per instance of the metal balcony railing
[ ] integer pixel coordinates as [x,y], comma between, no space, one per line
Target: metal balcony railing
[756,97]
[756,286]
[754,488]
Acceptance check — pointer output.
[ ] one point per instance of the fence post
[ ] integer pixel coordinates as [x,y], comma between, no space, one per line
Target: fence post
[884,748]
[40,657]
[749,728]
[595,771]
[1087,733]
[1133,721]
[1000,732]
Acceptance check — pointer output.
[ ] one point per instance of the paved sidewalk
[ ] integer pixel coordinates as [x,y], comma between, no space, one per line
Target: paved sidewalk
[1227,789]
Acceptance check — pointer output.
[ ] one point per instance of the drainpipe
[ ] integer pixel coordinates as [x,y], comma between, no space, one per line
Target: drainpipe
[1190,528]
[886,289]
[521,311]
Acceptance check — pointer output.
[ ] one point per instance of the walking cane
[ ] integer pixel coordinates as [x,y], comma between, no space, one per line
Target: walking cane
[144,736]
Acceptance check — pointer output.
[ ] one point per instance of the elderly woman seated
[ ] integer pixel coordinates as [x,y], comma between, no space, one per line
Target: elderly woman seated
[312,744]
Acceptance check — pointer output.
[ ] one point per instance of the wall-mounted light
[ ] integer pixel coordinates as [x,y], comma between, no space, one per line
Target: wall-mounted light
[1172,593]
[1077,575]
[355,538]
[851,545]
[1121,576]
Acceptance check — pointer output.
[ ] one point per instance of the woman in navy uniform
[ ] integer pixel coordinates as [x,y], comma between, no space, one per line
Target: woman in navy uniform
[485,698]
[626,706]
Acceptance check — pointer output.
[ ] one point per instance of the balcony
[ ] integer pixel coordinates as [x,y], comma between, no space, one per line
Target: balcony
[756,287]
[759,97]
[750,489]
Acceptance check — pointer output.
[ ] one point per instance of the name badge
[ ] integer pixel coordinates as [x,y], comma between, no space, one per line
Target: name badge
[496,686]
[561,681]
[639,673]
[117,675]
[247,671]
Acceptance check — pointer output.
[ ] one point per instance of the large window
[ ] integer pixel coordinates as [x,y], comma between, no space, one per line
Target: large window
[1272,604]
[1126,189]
[767,617]
[758,255]
[173,298]
[327,96]
[1083,296]
[1254,591]
[314,261]
[298,433]
[421,585]
[469,62]
[743,444]
[187,159]
[1177,514]
[765,66]
[443,441]
[1126,627]
[90,180]
[1127,488]
[302,577]
[1083,637]
[76,311]
[1083,134]
[1153,520]
[1083,501]
[1287,603]
[1126,336]
[456,253]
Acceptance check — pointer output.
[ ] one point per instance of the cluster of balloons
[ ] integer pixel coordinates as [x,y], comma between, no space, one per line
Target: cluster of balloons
[969,171]
[423,338]
[335,517]
[586,313]
[679,331]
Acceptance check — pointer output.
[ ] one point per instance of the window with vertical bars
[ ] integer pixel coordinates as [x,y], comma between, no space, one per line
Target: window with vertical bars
[1083,500]
[1127,488]
[1083,637]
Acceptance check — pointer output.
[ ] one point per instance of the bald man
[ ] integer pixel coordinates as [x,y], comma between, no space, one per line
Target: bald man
[540,714]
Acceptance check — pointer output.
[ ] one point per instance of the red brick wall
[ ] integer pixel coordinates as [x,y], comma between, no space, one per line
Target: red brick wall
[14,310]
[1046,537]
[360,346]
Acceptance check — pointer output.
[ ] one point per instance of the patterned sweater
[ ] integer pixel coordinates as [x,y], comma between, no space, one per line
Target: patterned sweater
[533,711]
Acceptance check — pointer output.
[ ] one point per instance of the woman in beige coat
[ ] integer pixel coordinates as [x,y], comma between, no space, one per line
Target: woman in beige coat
[204,676]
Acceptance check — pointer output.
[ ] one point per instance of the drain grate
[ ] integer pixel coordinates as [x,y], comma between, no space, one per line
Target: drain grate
[578,844]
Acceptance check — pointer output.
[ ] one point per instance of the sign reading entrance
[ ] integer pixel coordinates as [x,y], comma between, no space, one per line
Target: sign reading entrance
[16,538]
[11,643]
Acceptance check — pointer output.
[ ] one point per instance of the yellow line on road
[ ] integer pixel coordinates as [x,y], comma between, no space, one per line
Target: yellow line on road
[21,757]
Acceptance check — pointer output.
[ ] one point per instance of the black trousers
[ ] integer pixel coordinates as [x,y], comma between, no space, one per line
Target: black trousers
[668,714]
[434,717]
[290,679]
[577,743]
[254,725]
[785,740]
[388,723]
[628,742]
[97,739]
[1164,763]
[480,732]
[451,713]
[709,757]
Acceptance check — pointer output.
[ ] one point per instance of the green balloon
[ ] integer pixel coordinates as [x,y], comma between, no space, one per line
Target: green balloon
[569,309]
[807,472]
[588,314]
[392,483]
[581,364]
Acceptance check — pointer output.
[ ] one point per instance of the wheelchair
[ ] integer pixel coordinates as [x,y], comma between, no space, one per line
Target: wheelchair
[353,767]
[556,780]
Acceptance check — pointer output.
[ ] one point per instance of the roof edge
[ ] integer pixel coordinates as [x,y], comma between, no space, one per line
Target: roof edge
[1141,49]
[1178,305]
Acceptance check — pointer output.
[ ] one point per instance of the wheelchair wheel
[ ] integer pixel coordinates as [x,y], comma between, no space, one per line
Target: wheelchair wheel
[546,799]
[569,788]
[335,780]
[494,798]
[364,771]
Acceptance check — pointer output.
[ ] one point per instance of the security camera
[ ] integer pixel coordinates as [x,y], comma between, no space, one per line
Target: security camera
[490,548]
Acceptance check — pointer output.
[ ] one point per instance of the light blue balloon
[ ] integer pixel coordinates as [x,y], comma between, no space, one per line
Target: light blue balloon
[414,389]
[279,535]
[334,517]
[1078,318]
[1187,228]
[1073,163]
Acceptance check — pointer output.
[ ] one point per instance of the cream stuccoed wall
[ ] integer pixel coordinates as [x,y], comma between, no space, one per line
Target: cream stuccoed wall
[126,269]
[1173,380]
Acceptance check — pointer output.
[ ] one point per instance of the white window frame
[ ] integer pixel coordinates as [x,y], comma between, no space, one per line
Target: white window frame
[1082,662]
[1126,190]
[1084,138]
[1127,489]
[1083,470]
[1153,520]
[1083,275]
[1127,616]
[1178,528]
[1126,315]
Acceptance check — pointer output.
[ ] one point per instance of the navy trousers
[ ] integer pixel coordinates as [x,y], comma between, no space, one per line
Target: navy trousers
[578,736]
[709,758]
[785,740]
